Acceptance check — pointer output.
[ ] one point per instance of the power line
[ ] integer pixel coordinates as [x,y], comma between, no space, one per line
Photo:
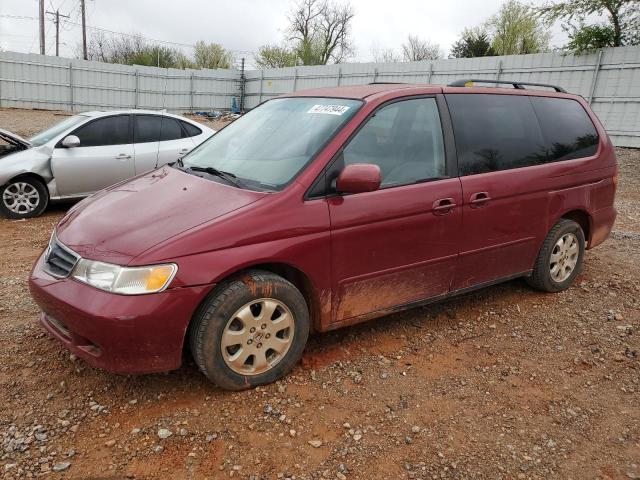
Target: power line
[132,35]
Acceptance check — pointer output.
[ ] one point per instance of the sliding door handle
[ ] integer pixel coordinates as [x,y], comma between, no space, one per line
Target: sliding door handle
[479,199]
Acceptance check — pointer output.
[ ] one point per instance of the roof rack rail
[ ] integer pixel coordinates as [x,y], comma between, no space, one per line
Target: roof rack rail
[518,85]
[387,83]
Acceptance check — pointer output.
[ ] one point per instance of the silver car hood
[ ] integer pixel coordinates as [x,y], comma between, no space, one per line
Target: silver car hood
[13,139]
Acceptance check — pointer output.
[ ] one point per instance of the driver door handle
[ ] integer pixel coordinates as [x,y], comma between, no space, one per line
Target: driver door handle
[123,156]
[443,206]
[184,150]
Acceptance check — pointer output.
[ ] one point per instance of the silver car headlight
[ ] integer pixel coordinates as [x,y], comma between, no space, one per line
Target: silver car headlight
[124,280]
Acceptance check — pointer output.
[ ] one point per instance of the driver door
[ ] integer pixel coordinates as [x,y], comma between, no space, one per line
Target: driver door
[105,156]
[399,244]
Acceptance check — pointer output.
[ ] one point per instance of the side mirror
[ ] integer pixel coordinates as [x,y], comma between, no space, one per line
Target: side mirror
[70,141]
[359,178]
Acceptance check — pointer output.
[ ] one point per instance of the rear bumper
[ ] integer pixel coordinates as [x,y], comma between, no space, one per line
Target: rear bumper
[601,225]
[118,333]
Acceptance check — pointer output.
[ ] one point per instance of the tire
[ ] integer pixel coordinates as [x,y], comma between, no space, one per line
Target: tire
[554,276]
[268,318]
[24,197]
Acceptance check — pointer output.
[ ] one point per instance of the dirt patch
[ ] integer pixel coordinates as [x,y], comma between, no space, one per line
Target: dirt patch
[503,383]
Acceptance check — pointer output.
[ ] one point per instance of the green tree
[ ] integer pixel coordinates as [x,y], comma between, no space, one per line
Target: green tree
[516,30]
[211,55]
[473,42]
[586,38]
[274,56]
[623,17]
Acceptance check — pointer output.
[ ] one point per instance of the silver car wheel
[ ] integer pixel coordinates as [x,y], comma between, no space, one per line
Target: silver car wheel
[564,257]
[21,198]
[257,336]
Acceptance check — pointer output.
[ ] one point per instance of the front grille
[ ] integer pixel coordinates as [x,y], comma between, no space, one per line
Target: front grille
[59,260]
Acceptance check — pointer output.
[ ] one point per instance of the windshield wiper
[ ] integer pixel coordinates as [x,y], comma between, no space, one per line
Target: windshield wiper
[229,177]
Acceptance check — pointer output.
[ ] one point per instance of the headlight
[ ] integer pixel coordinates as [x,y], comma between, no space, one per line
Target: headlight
[124,280]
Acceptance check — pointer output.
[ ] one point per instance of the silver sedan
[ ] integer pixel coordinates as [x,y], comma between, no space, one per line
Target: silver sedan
[88,152]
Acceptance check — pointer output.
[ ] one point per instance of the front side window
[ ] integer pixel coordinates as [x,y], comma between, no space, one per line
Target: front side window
[267,147]
[105,131]
[404,139]
[59,128]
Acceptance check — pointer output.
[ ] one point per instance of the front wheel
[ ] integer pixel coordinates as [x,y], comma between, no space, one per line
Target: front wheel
[23,198]
[560,259]
[250,331]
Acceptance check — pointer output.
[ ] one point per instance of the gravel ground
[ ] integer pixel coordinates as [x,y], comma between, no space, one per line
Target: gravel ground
[504,383]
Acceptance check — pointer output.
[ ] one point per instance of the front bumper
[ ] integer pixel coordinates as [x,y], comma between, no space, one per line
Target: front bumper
[118,333]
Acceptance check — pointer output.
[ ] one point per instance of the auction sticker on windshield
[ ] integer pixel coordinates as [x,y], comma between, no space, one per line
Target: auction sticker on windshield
[329,109]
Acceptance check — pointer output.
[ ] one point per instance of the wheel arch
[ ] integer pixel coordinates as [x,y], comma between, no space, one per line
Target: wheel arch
[287,271]
[33,175]
[582,218]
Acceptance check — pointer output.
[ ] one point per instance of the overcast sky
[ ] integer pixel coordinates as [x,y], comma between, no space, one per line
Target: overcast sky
[241,25]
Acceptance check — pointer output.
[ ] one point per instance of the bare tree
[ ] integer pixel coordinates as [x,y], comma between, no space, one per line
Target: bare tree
[416,49]
[385,55]
[321,30]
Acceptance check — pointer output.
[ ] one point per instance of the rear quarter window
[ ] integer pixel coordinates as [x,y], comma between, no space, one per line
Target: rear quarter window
[568,131]
[191,130]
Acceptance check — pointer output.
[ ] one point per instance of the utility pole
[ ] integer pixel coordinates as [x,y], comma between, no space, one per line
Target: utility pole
[84,31]
[41,18]
[57,22]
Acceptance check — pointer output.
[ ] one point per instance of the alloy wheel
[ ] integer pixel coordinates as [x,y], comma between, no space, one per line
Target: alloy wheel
[564,257]
[21,198]
[257,336]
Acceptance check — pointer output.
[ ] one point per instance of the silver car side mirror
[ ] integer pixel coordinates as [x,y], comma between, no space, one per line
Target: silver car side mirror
[70,141]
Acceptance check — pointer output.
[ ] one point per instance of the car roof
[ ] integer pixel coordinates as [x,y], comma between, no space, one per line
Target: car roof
[374,90]
[105,113]
[360,92]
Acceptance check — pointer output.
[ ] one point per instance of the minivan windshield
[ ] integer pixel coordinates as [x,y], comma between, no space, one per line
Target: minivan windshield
[52,132]
[267,147]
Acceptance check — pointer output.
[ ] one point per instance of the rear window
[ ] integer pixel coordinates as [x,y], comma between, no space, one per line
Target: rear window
[153,128]
[170,130]
[495,132]
[147,128]
[501,132]
[566,127]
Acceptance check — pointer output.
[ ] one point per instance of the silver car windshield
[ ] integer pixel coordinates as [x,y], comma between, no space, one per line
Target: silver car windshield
[271,144]
[52,132]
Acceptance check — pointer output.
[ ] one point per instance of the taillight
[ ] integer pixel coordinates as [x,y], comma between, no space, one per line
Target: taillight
[615,179]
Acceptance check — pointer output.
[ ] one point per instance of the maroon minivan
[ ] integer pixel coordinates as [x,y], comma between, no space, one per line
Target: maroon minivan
[322,209]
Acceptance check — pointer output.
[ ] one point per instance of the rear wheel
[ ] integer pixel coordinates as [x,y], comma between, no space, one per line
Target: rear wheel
[251,331]
[560,259]
[23,198]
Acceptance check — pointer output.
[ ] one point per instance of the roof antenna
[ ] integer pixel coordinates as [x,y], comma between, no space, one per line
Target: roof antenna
[162,110]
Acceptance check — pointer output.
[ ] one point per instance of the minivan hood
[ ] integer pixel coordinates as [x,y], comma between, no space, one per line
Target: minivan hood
[13,139]
[119,223]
